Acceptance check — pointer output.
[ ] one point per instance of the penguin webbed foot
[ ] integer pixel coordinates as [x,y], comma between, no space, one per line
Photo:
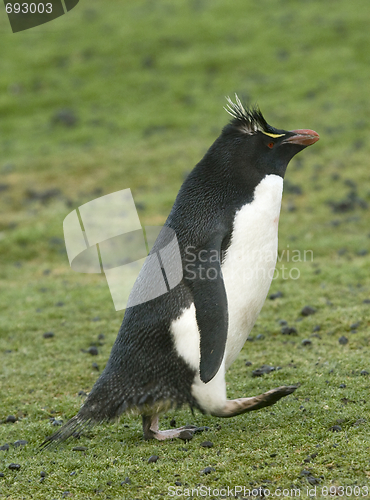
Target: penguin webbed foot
[151,430]
[235,407]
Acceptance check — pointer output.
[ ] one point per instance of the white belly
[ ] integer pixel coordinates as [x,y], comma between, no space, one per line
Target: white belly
[247,272]
[250,262]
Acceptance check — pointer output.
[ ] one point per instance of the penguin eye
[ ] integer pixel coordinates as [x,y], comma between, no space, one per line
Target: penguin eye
[271,145]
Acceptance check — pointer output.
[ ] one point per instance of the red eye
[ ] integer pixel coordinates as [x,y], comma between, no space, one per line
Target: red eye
[271,145]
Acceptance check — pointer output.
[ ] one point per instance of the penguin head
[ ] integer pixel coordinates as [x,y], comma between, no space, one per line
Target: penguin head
[258,148]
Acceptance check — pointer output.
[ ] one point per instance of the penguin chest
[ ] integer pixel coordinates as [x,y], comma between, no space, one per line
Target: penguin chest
[249,265]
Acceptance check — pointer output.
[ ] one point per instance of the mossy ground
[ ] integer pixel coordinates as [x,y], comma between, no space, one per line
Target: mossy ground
[146,82]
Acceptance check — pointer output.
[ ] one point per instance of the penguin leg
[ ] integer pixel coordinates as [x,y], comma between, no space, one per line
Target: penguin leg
[233,407]
[151,430]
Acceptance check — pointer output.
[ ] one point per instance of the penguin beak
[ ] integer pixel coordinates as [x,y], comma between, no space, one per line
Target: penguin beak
[302,137]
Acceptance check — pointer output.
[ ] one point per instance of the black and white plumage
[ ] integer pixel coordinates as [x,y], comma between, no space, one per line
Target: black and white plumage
[175,349]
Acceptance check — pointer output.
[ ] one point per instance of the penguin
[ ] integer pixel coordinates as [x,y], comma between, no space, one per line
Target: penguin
[174,349]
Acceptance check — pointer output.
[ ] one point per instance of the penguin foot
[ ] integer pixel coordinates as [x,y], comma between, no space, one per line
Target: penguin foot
[235,407]
[151,430]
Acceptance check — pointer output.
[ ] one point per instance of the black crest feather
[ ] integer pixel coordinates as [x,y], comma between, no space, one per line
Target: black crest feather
[249,120]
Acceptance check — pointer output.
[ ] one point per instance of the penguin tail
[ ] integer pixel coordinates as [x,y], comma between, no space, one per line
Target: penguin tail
[74,427]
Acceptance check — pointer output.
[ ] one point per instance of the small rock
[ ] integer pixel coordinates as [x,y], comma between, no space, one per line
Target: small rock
[207,470]
[153,459]
[207,444]
[355,325]
[2,474]
[282,322]
[260,336]
[342,386]
[79,448]
[289,330]
[126,481]
[265,369]
[364,372]
[14,466]
[343,340]
[173,422]
[186,435]
[93,350]
[43,473]
[11,419]
[313,480]
[4,447]
[316,328]
[359,422]
[178,483]
[248,363]
[82,393]
[20,442]
[308,310]
[335,428]
[48,335]
[306,342]
[59,304]
[95,366]
[65,117]
[276,295]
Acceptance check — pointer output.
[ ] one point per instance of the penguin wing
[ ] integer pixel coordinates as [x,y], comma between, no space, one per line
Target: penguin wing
[210,302]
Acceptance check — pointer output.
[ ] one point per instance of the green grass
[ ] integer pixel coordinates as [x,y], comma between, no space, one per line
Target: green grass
[146,81]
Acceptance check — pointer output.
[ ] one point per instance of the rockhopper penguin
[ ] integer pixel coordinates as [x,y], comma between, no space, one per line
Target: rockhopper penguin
[176,348]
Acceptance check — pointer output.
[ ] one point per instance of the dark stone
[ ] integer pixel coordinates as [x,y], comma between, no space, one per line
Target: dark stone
[289,330]
[153,459]
[308,310]
[364,372]
[207,470]
[276,295]
[43,196]
[59,304]
[43,473]
[20,442]
[48,335]
[95,366]
[260,336]
[173,422]
[178,483]
[248,363]
[355,325]
[335,428]
[343,340]
[126,481]
[207,444]
[93,350]
[4,447]
[66,117]
[306,342]
[342,386]
[313,480]
[316,328]
[14,466]
[10,419]
[82,393]
[79,448]
[265,369]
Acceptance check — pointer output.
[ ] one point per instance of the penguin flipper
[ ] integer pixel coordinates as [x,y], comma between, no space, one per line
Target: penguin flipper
[210,302]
